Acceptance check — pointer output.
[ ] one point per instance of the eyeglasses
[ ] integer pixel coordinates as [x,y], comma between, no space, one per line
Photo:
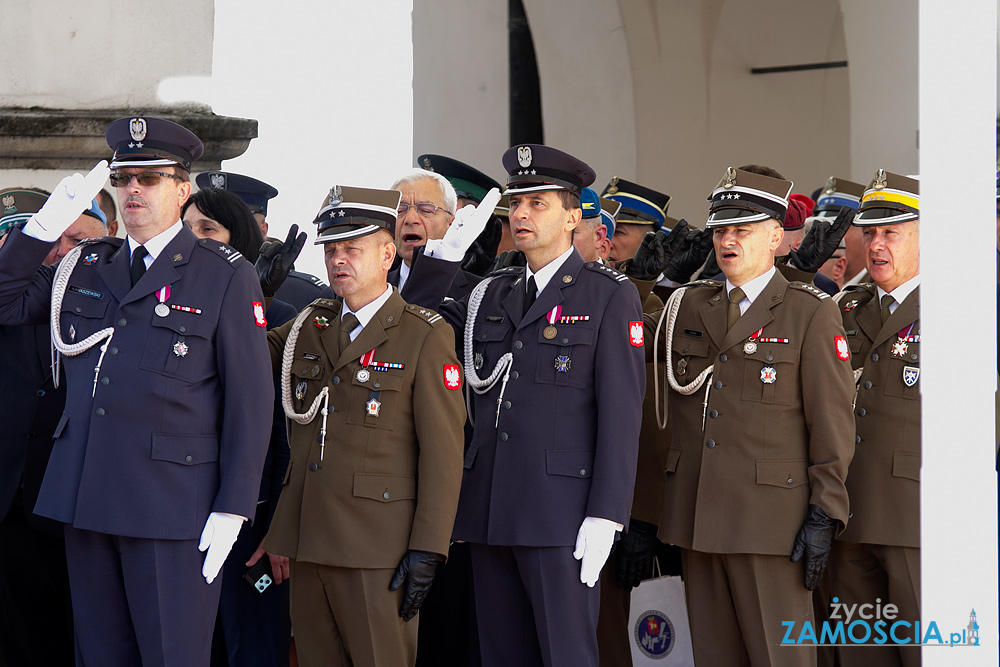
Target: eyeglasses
[146,179]
[424,209]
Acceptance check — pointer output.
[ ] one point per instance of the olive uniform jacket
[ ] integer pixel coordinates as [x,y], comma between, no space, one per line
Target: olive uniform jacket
[384,483]
[778,431]
[884,479]
[176,423]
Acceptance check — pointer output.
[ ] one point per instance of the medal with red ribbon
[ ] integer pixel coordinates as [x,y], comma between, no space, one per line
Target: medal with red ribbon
[366,358]
[162,295]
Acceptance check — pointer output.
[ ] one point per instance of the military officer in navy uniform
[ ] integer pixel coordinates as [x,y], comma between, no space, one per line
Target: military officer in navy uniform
[298,288]
[548,476]
[761,434]
[158,454]
[878,556]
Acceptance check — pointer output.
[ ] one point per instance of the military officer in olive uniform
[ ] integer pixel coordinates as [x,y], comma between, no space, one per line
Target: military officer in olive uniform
[372,389]
[553,354]
[761,434]
[878,556]
[168,401]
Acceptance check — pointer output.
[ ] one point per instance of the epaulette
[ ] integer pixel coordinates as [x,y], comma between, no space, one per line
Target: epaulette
[810,288]
[332,304]
[222,250]
[110,240]
[704,282]
[850,299]
[866,287]
[507,271]
[308,277]
[425,314]
[606,270]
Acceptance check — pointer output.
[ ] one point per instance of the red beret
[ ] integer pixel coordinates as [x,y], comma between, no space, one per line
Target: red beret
[809,203]
[795,218]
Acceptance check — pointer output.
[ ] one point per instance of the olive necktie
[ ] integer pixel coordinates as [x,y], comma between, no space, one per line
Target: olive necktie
[735,297]
[887,301]
[138,267]
[347,325]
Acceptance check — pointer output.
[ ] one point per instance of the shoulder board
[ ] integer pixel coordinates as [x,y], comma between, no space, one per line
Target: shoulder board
[704,283]
[609,271]
[332,304]
[307,277]
[508,271]
[862,287]
[810,288]
[222,250]
[110,240]
[426,314]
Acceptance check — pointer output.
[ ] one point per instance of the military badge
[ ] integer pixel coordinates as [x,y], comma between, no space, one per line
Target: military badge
[730,178]
[524,156]
[137,128]
[881,180]
[180,348]
[682,367]
[843,352]
[8,205]
[90,259]
[72,332]
[910,375]
[478,362]
[321,322]
[899,348]
[549,332]
[258,314]
[635,334]
[363,375]
[373,406]
[749,347]
[768,375]
[563,363]
[851,305]
[452,377]
[300,390]
[219,181]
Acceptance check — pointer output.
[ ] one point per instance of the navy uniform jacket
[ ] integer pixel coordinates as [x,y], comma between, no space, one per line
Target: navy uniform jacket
[301,289]
[462,285]
[167,438]
[566,443]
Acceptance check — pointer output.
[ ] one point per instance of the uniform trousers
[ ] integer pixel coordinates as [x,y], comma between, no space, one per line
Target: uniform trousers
[532,609]
[348,617]
[736,603]
[863,573]
[140,601]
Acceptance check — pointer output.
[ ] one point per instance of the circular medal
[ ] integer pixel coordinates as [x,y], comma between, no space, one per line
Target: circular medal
[549,332]
[162,309]
[363,375]
[750,347]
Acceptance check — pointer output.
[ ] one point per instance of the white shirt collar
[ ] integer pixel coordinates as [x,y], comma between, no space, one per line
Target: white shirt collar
[752,289]
[900,293]
[856,279]
[546,273]
[366,313]
[404,273]
[155,245]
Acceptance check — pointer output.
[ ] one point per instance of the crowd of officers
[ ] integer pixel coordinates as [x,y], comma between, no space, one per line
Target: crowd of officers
[513,404]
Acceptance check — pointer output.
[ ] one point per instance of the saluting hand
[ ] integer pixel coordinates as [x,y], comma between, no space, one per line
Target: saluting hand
[822,241]
[695,249]
[276,260]
[464,229]
[68,200]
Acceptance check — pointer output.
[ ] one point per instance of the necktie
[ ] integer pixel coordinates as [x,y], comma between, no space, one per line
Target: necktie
[347,325]
[530,296]
[887,301]
[735,297]
[138,264]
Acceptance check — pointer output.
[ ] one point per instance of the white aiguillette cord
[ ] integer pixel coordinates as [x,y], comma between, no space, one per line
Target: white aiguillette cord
[287,356]
[59,346]
[472,379]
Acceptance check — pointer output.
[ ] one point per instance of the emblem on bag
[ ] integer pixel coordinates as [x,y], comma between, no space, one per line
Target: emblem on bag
[654,634]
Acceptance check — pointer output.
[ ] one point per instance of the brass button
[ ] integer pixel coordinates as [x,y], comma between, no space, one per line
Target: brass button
[376,385]
[857,440]
[567,279]
[388,318]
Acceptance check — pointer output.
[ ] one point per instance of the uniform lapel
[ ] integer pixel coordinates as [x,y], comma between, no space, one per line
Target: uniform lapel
[552,295]
[115,273]
[869,317]
[758,314]
[513,302]
[162,272]
[906,314]
[374,333]
[713,317]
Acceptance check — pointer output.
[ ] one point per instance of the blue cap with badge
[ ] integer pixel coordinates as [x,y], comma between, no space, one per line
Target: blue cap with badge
[254,193]
[594,206]
[152,142]
[639,205]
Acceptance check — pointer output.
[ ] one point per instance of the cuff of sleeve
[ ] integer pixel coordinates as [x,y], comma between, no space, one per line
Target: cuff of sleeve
[608,522]
[36,231]
[436,248]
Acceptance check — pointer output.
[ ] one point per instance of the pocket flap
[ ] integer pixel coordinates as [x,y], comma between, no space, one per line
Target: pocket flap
[672,457]
[690,347]
[774,353]
[381,381]
[571,463]
[304,369]
[567,334]
[384,488]
[187,450]
[786,474]
[906,465]
[85,306]
[185,324]
[492,332]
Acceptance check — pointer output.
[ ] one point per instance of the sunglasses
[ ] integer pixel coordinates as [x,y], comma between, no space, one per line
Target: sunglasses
[146,179]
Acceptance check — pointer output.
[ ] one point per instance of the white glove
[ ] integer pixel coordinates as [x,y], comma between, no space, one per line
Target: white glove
[593,546]
[71,197]
[468,224]
[218,537]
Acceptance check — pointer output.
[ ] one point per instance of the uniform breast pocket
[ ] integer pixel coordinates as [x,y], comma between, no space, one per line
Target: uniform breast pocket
[689,357]
[904,371]
[565,355]
[307,379]
[375,402]
[180,346]
[770,374]
[80,317]
[489,346]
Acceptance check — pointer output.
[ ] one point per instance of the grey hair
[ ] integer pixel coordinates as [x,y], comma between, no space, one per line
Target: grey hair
[447,190]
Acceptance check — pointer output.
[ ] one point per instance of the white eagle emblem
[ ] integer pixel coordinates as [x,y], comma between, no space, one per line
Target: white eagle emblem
[336,196]
[635,333]
[452,378]
[258,314]
[8,202]
[843,353]
[881,180]
[137,128]
[524,156]
[219,181]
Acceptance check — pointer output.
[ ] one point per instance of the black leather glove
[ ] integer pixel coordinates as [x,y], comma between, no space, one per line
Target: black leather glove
[690,256]
[822,241]
[813,542]
[509,258]
[276,260]
[417,570]
[636,551]
[656,251]
[480,255]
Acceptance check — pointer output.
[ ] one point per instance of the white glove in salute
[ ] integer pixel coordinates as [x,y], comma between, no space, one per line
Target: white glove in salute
[71,197]
[468,224]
